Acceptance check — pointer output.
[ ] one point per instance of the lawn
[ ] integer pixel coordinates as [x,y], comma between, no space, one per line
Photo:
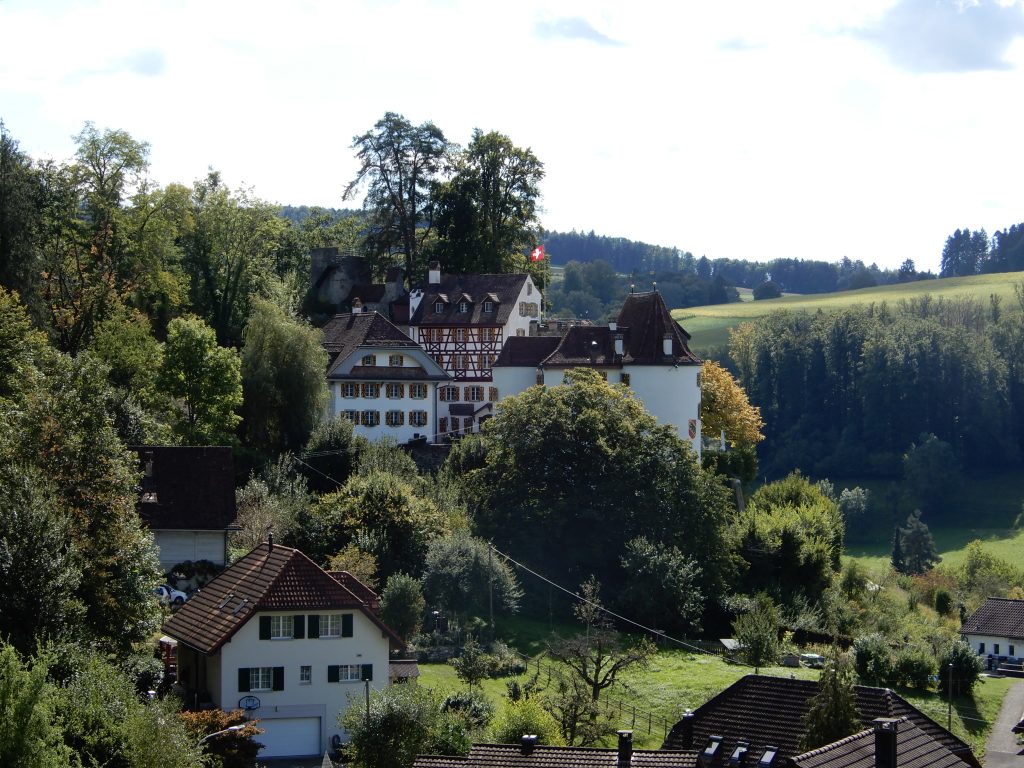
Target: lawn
[650,701]
[710,325]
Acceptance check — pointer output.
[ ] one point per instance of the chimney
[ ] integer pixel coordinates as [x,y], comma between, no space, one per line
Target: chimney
[625,748]
[619,347]
[666,345]
[613,326]
[885,741]
[270,541]
[593,351]
[528,742]
[685,727]
[434,273]
[357,306]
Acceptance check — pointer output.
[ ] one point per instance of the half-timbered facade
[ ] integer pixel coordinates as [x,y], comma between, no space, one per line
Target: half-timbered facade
[462,323]
[380,379]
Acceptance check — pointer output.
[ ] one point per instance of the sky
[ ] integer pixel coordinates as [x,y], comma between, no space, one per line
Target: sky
[870,129]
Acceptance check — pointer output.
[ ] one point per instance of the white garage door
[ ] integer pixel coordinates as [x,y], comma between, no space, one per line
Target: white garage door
[290,737]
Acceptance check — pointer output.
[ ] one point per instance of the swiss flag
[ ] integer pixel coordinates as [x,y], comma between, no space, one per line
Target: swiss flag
[537,254]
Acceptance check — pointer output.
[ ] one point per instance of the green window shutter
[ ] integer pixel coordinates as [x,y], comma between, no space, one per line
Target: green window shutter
[243,679]
[313,621]
[278,679]
[346,625]
[367,673]
[333,675]
[264,627]
[298,627]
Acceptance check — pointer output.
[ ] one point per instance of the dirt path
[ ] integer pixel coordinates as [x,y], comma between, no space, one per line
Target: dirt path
[1002,749]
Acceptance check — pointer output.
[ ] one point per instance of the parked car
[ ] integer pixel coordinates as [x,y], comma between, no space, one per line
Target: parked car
[170,596]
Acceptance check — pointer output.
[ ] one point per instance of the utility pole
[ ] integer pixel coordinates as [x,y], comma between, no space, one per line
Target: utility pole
[490,587]
[949,712]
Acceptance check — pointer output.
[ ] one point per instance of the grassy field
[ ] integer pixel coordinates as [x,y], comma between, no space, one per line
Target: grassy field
[677,681]
[710,325]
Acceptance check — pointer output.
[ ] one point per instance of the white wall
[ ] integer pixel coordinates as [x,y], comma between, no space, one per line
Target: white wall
[319,698]
[513,380]
[383,404]
[530,294]
[990,643]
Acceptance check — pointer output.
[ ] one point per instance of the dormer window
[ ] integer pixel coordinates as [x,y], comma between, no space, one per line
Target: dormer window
[370,360]
[463,307]
[438,307]
[488,307]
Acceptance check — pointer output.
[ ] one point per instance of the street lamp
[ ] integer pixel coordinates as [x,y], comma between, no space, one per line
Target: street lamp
[209,736]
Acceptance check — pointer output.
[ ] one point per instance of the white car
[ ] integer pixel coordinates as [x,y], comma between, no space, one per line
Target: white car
[168,595]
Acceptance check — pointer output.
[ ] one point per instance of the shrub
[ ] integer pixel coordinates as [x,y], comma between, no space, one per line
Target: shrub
[525,716]
[966,668]
[402,604]
[237,749]
[913,667]
[943,603]
[504,661]
[472,706]
[872,659]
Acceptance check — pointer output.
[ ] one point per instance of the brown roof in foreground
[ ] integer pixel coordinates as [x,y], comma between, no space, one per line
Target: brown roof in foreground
[997,616]
[914,749]
[769,711]
[270,578]
[194,487]
[513,756]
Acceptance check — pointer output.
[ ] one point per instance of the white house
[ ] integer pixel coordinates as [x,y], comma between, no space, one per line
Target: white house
[645,350]
[996,629]
[278,636]
[187,499]
[462,322]
[380,379]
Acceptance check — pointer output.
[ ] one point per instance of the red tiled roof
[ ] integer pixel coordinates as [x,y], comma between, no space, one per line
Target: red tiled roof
[194,487]
[770,711]
[356,587]
[914,749]
[998,617]
[270,578]
[513,756]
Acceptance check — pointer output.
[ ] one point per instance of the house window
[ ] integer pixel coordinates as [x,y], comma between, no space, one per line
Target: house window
[438,334]
[260,679]
[522,309]
[333,625]
[487,335]
[460,334]
[282,627]
[370,360]
[370,418]
[1011,651]
[442,425]
[449,395]
[438,307]
[474,394]
[624,378]
[461,362]
[488,306]
[349,389]
[467,424]
[394,418]
[492,394]
[995,648]
[418,391]
[463,307]
[395,391]
[418,418]
[352,416]
[981,647]
[529,288]
[349,673]
[305,675]
[395,361]
[371,390]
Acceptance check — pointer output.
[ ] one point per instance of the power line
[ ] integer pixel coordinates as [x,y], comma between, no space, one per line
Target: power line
[598,606]
[322,474]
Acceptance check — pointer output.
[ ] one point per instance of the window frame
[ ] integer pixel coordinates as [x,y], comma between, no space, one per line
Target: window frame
[256,674]
[349,390]
[369,418]
[396,361]
[282,627]
[418,391]
[394,418]
[305,675]
[463,307]
[418,418]
[438,307]
[488,306]
[394,391]
[370,361]
[371,390]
